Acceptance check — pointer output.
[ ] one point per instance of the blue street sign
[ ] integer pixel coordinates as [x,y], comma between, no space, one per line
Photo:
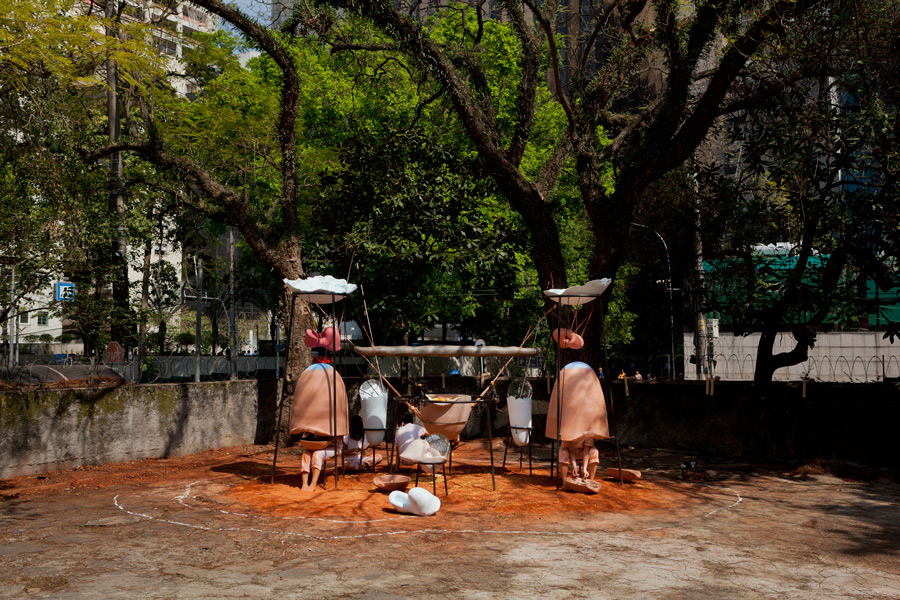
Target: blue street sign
[64,291]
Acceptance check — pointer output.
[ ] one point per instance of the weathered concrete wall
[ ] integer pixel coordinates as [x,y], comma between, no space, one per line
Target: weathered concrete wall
[42,431]
[47,430]
[849,422]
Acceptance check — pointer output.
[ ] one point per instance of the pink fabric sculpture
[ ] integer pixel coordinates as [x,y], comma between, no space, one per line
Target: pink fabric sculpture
[583,405]
[328,339]
[317,390]
[566,338]
[444,418]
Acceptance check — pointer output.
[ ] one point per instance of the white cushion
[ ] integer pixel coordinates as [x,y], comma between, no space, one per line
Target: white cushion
[422,502]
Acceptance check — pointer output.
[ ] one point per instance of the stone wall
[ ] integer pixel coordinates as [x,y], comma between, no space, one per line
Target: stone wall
[56,429]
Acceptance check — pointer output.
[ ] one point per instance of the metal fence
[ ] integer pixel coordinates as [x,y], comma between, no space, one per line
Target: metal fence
[830,368]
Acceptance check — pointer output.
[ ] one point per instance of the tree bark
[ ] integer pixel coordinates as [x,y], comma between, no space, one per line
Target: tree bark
[145,302]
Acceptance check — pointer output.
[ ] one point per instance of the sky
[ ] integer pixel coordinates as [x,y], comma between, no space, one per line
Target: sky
[256,8]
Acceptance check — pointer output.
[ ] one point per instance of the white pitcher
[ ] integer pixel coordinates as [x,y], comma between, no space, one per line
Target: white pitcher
[373,399]
[518,405]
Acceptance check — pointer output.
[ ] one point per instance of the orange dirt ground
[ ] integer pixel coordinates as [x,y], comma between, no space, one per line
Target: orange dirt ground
[244,483]
[213,525]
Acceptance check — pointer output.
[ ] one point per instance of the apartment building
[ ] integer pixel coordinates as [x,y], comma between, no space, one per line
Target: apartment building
[174,23]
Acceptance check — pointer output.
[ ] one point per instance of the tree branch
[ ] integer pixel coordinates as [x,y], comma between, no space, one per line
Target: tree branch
[549,31]
[531,72]
[289,99]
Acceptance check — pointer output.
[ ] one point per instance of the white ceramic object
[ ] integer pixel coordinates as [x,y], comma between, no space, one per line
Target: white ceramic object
[400,501]
[323,289]
[423,503]
[579,294]
[373,399]
[518,406]
[519,417]
[420,451]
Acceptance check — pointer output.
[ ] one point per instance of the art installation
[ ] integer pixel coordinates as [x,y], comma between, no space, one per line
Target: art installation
[446,414]
[580,395]
[319,409]
[625,475]
[568,339]
[373,398]
[579,294]
[577,415]
[581,485]
[419,502]
[445,351]
[323,289]
[391,482]
[328,339]
[518,405]
[316,401]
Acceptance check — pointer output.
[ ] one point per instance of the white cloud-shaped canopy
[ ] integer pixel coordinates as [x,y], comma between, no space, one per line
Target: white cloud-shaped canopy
[579,294]
[323,289]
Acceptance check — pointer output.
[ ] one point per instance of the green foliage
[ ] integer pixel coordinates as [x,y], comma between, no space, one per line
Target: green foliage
[817,171]
[423,231]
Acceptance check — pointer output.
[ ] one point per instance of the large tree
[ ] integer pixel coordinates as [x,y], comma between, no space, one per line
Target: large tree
[641,85]
[53,56]
[817,168]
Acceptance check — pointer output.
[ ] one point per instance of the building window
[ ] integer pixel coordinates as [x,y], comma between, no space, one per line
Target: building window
[23,318]
[42,319]
[167,46]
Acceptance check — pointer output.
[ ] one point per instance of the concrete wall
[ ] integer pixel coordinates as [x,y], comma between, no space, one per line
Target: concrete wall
[47,430]
[846,422]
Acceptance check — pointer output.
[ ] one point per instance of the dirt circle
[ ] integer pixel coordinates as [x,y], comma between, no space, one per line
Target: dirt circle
[243,495]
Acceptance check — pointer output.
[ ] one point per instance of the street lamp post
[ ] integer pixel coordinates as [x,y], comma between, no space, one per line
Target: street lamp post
[669,292]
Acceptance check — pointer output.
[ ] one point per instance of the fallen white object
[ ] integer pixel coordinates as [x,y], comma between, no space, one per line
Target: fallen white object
[579,294]
[400,501]
[323,289]
[418,501]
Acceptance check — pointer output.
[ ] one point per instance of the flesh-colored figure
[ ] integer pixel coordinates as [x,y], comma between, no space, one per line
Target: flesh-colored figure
[352,448]
[577,399]
[569,454]
[320,403]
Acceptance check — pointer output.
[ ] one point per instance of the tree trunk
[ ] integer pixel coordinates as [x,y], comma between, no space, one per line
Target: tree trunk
[767,362]
[214,327]
[162,336]
[145,302]
[119,250]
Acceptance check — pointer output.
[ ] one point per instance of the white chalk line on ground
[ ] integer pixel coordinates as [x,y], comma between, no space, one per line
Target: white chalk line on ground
[429,530]
[710,513]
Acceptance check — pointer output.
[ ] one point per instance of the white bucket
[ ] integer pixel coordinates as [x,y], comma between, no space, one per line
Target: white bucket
[519,416]
[373,399]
